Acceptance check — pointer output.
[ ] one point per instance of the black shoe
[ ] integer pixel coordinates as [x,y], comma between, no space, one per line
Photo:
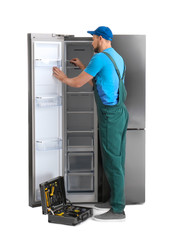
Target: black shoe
[110,216]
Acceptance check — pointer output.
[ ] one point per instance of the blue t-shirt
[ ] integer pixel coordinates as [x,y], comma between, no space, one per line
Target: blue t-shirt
[107,80]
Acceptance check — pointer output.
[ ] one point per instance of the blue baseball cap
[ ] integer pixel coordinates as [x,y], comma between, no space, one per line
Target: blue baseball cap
[105,32]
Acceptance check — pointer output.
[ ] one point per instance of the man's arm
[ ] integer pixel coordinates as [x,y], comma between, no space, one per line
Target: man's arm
[76,82]
[79,64]
[91,83]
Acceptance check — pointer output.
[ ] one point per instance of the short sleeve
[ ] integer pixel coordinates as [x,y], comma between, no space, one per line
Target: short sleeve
[95,65]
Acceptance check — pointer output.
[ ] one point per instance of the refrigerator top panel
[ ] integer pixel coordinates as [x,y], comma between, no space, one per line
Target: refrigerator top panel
[71,38]
[133,50]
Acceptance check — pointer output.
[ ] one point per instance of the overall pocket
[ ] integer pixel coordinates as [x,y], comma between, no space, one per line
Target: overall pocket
[114,131]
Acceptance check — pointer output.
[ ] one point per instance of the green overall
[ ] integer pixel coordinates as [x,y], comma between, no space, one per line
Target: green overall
[113,122]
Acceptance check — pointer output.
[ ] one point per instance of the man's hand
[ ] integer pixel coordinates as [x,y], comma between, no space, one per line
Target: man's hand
[59,74]
[76,82]
[77,63]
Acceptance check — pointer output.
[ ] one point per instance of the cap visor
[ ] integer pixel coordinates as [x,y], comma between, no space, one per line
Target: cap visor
[91,32]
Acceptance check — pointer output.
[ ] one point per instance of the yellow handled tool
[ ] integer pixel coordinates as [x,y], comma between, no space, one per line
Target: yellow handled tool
[47,197]
[52,191]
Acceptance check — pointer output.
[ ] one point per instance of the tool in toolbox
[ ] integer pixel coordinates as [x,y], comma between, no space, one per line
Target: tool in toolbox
[59,209]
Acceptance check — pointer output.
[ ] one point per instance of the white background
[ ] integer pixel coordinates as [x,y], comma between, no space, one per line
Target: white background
[155,219]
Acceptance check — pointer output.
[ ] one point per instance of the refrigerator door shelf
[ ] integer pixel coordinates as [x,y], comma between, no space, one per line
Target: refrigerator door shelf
[49,101]
[49,144]
[48,62]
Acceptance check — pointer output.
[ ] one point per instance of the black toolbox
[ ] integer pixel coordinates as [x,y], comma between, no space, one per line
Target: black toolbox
[58,208]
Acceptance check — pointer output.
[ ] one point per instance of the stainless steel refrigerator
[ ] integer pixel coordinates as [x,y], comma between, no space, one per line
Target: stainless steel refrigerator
[63,131]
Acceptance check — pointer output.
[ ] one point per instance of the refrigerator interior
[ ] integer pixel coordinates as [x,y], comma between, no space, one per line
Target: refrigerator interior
[47,103]
[81,126]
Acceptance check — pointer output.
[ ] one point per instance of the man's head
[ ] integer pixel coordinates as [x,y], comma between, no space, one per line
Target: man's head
[102,37]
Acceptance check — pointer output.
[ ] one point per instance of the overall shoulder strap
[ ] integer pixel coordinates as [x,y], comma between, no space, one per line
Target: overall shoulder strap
[117,70]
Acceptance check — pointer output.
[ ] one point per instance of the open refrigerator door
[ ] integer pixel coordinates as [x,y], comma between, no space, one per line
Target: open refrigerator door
[46,112]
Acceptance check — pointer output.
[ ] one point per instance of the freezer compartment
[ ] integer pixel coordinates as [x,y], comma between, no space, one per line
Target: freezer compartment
[80,121]
[80,182]
[80,162]
[80,102]
[48,101]
[80,142]
[49,144]
[81,50]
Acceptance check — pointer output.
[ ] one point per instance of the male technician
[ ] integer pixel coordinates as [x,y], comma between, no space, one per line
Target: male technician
[106,73]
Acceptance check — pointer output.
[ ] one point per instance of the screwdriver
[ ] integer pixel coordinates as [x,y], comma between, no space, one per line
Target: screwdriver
[47,197]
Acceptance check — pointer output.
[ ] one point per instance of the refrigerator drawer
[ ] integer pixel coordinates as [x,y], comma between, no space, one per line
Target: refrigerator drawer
[80,102]
[49,144]
[80,142]
[80,162]
[82,182]
[80,121]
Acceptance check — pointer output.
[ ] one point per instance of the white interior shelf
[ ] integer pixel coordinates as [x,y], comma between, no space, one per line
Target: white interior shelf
[44,62]
[48,101]
[49,144]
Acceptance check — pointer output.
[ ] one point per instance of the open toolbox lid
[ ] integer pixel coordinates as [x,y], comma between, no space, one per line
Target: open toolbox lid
[52,194]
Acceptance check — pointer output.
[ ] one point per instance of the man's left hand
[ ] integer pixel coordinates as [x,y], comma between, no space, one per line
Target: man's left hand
[59,74]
